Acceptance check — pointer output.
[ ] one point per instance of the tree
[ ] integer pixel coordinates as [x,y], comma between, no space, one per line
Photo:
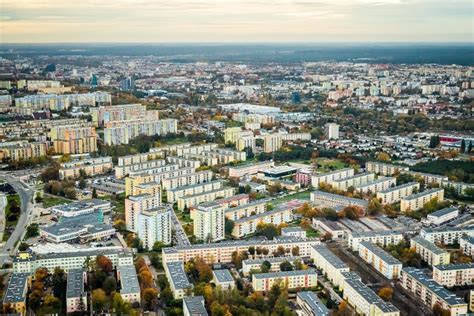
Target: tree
[150,296]
[50,173]
[374,206]
[99,300]
[469,147]
[32,230]
[166,296]
[145,277]
[265,266]
[463,146]
[103,263]
[434,141]
[94,193]
[268,230]
[383,156]
[82,184]
[110,285]
[386,293]
[157,246]
[229,226]
[23,246]
[286,266]
[352,212]
[295,251]
[252,251]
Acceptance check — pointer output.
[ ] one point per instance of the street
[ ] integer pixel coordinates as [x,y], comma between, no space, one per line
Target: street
[181,237]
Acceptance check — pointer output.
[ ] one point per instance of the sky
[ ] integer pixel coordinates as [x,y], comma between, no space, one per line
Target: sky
[263,21]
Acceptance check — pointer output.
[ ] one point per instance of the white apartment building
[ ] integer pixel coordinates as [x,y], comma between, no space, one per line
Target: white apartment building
[329,263]
[81,207]
[431,293]
[272,142]
[209,223]
[203,158]
[384,169]
[395,194]
[383,238]
[129,286]
[194,306]
[196,199]
[331,131]
[429,252]
[177,278]
[442,216]
[310,305]
[122,132]
[75,292]
[122,171]
[364,300]
[222,252]
[325,199]
[183,162]
[248,225]
[135,204]
[450,275]
[137,159]
[246,210]
[382,261]
[447,235]
[154,225]
[263,282]
[246,142]
[467,245]
[329,177]
[173,195]
[89,167]
[417,201]
[296,136]
[223,278]
[429,178]
[374,186]
[353,181]
[186,179]
[124,112]
[249,265]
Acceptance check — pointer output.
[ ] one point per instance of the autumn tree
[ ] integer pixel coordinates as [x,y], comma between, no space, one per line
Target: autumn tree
[386,293]
[103,263]
[99,300]
[150,297]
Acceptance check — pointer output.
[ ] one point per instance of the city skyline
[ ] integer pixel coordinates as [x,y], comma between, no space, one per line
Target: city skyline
[186,21]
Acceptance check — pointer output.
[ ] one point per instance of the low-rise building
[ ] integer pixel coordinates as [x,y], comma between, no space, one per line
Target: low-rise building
[429,252]
[336,230]
[293,232]
[310,305]
[177,279]
[331,200]
[329,177]
[374,186]
[129,287]
[447,235]
[329,263]
[248,225]
[76,296]
[442,216]
[263,282]
[249,265]
[249,169]
[194,306]
[431,293]
[381,260]
[395,194]
[223,278]
[82,207]
[450,275]
[417,201]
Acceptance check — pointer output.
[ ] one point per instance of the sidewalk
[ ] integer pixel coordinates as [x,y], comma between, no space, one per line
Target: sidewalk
[3,205]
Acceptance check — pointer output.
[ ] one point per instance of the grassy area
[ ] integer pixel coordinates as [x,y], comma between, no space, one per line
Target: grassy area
[117,201]
[311,232]
[299,196]
[326,165]
[49,200]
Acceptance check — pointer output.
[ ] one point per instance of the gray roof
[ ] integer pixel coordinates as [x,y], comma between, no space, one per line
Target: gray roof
[468,239]
[378,180]
[314,303]
[369,295]
[447,229]
[291,229]
[271,260]
[330,256]
[342,197]
[358,175]
[75,283]
[379,252]
[283,274]
[440,291]
[331,172]
[71,225]
[128,279]
[398,187]
[244,206]
[223,275]
[455,266]
[16,290]
[260,215]
[85,254]
[420,194]
[428,245]
[376,233]
[195,305]
[80,205]
[178,275]
[443,211]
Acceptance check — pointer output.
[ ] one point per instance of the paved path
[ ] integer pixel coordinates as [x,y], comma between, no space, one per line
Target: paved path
[3,204]
[181,237]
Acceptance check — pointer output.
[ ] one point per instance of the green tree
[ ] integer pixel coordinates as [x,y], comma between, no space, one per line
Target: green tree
[286,266]
[99,300]
[110,285]
[229,226]
[463,146]
[265,266]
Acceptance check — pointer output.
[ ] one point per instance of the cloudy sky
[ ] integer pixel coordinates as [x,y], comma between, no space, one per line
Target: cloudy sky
[44,21]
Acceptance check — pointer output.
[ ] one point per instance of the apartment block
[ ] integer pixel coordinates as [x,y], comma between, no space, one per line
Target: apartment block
[209,223]
[74,140]
[336,201]
[124,112]
[174,194]
[447,235]
[204,158]
[429,252]
[22,150]
[246,142]
[296,136]
[154,225]
[263,282]
[196,199]
[223,278]
[137,159]
[329,177]
[187,179]
[429,178]
[183,162]
[249,265]
[122,171]
[222,252]
[231,134]
[135,204]
[194,306]
[395,194]
[177,279]
[310,305]
[431,293]
[384,169]
[89,167]
[417,201]
[272,142]
[118,133]
[15,293]
[450,275]
[154,175]
[467,245]
[374,186]
[246,210]
[248,225]
[381,260]
[364,300]
[329,263]
[129,287]
[442,216]
[75,292]
[383,238]
[81,207]
[353,181]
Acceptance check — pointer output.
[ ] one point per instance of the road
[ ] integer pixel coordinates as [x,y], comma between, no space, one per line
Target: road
[181,237]
[25,193]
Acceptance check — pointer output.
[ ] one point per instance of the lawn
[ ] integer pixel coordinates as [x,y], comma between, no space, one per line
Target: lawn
[311,232]
[49,200]
[326,165]
[299,196]
[117,201]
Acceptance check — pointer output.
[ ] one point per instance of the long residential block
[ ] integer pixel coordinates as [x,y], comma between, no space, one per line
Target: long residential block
[255,264]
[450,275]
[329,263]
[417,201]
[383,238]
[196,199]
[429,252]
[173,195]
[263,282]
[384,169]
[248,225]
[447,235]
[325,199]
[379,184]
[353,181]
[395,194]
[329,177]
[86,167]
[380,260]
[187,179]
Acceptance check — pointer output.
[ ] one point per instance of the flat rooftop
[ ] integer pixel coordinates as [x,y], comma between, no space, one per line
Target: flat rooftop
[399,187]
[223,275]
[334,260]
[195,305]
[128,279]
[178,275]
[443,211]
[281,274]
[16,289]
[369,295]
[420,194]
[75,283]
[382,254]
[314,303]
[428,245]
